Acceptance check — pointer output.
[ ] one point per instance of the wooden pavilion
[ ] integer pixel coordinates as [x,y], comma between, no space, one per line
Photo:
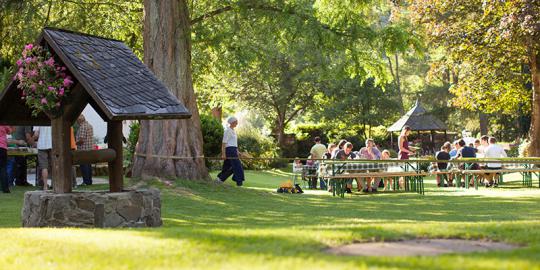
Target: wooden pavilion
[110,78]
[419,120]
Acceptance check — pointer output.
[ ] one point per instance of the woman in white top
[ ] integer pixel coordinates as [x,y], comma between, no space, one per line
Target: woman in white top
[229,152]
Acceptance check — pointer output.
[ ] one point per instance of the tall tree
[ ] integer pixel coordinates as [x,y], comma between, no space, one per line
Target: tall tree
[167,51]
[490,41]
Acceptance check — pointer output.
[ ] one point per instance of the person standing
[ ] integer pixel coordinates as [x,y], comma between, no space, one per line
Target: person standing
[85,141]
[403,142]
[317,152]
[404,151]
[4,131]
[229,152]
[44,146]
[24,135]
[318,149]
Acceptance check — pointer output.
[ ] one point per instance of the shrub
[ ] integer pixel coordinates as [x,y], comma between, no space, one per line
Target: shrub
[133,137]
[212,132]
[252,142]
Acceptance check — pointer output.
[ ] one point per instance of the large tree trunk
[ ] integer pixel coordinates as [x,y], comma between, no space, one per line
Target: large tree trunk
[484,123]
[167,51]
[534,130]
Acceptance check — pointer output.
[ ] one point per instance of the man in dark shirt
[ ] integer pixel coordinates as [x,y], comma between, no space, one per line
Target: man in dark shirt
[443,166]
[466,152]
[343,154]
[346,152]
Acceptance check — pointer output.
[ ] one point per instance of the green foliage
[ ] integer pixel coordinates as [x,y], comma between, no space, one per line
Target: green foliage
[5,73]
[134,128]
[486,44]
[252,142]
[212,132]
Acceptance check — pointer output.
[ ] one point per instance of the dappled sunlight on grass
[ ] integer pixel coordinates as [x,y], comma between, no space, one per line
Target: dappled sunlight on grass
[209,226]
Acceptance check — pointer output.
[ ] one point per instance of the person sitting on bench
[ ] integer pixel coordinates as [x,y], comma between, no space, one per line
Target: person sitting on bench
[493,150]
[443,166]
[344,154]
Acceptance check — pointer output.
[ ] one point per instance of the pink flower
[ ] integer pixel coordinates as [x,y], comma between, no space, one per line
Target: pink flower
[68,82]
[32,73]
[40,82]
[51,88]
[61,91]
[29,47]
[28,60]
[43,101]
[33,87]
[19,62]
[19,76]
[49,62]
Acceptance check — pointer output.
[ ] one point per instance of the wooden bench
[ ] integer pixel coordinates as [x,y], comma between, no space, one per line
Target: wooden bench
[525,172]
[414,181]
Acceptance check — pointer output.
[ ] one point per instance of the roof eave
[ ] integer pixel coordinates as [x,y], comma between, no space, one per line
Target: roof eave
[151,117]
[86,85]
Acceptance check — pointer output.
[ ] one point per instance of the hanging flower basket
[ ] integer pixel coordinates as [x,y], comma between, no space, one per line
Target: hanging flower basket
[44,83]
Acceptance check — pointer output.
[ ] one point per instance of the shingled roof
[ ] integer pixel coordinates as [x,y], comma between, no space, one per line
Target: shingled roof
[118,84]
[418,119]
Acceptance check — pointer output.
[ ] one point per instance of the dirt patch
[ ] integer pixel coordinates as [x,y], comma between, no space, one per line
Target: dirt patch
[419,247]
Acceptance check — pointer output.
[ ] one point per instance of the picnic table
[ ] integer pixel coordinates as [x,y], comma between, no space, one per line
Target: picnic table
[341,172]
[29,153]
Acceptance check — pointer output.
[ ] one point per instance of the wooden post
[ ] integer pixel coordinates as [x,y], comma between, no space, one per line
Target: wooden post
[116,173]
[61,155]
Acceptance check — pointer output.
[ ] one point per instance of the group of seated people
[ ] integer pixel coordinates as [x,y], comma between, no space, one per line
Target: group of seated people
[343,151]
[485,147]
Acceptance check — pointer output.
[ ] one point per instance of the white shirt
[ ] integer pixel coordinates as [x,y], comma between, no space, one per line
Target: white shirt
[45,139]
[229,137]
[494,151]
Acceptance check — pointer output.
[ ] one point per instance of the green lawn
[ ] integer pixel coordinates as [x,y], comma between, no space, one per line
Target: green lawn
[209,226]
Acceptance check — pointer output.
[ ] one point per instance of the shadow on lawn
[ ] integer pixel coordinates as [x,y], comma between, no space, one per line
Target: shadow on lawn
[229,206]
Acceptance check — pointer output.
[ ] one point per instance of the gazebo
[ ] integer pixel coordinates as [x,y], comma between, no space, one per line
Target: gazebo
[419,120]
[108,76]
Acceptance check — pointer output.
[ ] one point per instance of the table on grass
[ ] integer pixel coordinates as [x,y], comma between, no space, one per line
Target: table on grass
[29,153]
[341,172]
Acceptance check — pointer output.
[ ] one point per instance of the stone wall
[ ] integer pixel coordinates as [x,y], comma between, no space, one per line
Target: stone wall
[138,208]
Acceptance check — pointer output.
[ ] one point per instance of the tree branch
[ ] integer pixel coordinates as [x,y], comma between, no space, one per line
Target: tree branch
[211,14]
[119,6]
[224,9]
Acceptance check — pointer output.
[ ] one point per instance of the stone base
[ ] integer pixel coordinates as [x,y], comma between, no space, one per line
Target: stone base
[138,208]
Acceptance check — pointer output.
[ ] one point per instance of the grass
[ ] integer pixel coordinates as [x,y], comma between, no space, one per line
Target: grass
[209,226]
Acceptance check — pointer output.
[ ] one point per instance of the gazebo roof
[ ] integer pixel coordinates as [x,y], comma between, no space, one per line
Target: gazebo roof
[418,119]
[113,81]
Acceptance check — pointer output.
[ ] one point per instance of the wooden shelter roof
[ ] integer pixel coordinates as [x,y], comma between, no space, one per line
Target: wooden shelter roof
[116,83]
[418,119]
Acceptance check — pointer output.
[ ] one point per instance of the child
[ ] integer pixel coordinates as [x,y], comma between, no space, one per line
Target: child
[385,155]
[4,130]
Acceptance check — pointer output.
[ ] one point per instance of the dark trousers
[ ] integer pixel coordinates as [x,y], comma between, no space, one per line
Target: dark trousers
[20,171]
[232,166]
[3,169]
[86,171]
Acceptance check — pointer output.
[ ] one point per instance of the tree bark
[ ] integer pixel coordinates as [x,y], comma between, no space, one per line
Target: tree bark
[534,130]
[397,80]
[484,123]
[167,52]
